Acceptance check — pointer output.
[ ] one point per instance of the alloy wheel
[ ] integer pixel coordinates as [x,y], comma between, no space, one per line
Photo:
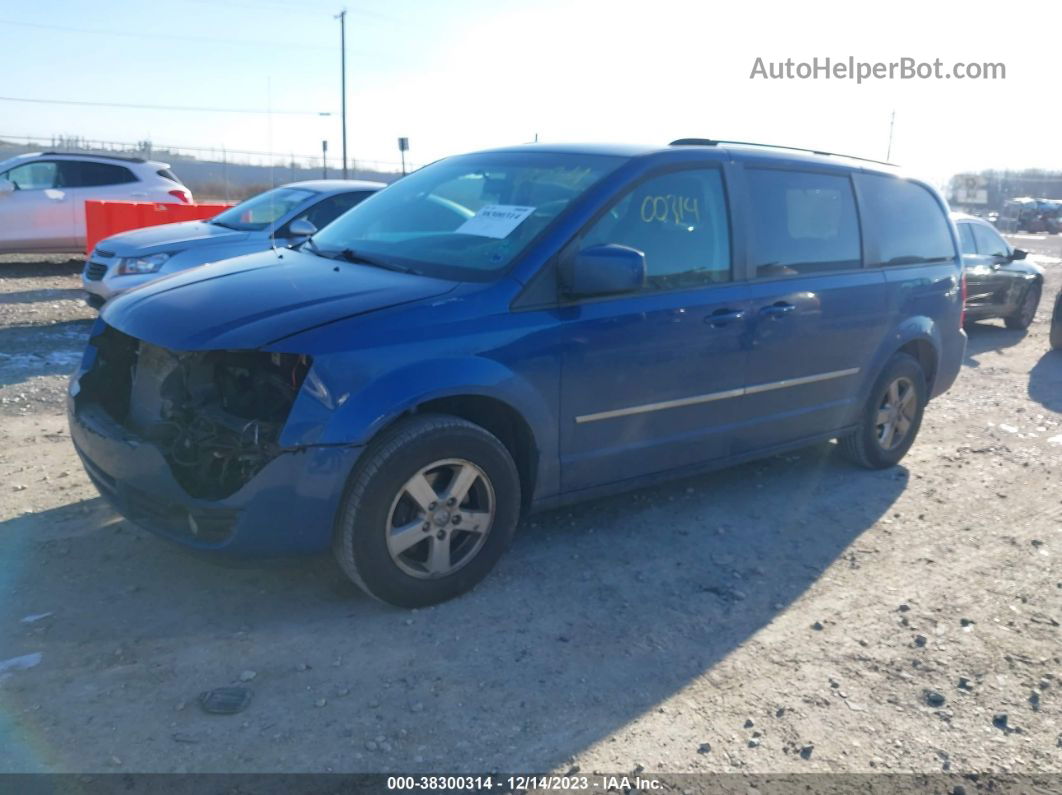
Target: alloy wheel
[440,518]
[896,413]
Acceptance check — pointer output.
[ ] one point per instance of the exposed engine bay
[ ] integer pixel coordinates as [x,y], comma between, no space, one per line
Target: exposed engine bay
[215,416]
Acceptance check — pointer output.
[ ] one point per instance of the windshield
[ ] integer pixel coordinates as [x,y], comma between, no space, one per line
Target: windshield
[260,211]
[465,217]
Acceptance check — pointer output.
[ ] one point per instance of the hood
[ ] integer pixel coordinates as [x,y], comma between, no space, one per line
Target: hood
[166,237]
[250,301]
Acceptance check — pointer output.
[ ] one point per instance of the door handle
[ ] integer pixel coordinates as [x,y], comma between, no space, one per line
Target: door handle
[723,317]
[777,310]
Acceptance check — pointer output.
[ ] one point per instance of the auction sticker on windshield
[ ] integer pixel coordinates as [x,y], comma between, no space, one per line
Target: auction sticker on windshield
[495,220]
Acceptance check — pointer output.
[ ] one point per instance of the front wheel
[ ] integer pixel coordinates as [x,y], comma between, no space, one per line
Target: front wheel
[428,512]
[1026,311]
[891,417]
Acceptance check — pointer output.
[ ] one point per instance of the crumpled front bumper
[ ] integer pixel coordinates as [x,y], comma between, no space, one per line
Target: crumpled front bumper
[288,508]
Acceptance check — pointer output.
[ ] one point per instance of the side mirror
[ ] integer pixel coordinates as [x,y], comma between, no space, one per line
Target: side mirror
[6,187]
[1018,253]
[605,270]
[301,227]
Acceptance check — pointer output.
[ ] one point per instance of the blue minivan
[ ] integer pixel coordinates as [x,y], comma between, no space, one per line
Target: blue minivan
[511,330]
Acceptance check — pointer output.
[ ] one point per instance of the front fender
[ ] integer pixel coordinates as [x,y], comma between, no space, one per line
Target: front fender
[366,413]
[323,414]
[1029,270]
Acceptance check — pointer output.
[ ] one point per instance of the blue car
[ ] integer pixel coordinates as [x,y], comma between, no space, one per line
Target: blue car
[511,330]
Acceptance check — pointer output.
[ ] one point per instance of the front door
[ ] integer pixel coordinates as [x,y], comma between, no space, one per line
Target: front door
[651,381]
[38,214]
[988,282]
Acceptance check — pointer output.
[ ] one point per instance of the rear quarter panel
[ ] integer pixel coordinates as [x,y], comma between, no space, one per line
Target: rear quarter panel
[926,304]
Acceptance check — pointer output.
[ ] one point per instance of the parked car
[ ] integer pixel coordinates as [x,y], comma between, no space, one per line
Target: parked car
[1028,214]
[281,216]
[512,330]
[42,196]
[999,282]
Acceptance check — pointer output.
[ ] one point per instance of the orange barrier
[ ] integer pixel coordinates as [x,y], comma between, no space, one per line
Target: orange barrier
[103,219]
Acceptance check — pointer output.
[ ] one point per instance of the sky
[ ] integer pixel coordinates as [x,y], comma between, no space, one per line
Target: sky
[459,75]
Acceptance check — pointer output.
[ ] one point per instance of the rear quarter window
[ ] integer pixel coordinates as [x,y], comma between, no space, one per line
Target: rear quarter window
[89,174]
[909,225]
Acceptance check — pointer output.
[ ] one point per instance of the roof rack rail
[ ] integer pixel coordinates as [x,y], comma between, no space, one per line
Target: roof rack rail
[104,157]
[712,142]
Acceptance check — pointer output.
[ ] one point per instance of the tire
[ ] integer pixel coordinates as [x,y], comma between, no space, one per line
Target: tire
[1056,324]
[386,493]
[1025,313]
[865,446]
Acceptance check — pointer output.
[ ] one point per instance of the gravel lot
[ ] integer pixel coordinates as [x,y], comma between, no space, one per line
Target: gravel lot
[793,615]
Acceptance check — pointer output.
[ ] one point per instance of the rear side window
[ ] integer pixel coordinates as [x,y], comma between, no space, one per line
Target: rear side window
[989,243]
[86,174]
[910,224]
[966,239]
[802,223]
[679,221]
[165,173]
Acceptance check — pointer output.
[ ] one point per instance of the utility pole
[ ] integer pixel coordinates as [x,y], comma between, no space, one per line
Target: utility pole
[892,124]
[324,159]
[342,17]
[225,172]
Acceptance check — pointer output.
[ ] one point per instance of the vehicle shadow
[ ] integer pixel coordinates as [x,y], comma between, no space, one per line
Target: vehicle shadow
[44,295]
[37,266]
[1045,381]
[36,350]
[985,336]
[596,615]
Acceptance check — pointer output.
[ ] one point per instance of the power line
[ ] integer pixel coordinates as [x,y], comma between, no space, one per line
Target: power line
[288,8]
[164,107]
[164,36]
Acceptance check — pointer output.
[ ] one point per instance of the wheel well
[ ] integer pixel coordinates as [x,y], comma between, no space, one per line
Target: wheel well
[504,422]
[926,356]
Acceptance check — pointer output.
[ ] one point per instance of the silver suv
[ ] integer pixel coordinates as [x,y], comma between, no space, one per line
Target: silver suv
[42,196]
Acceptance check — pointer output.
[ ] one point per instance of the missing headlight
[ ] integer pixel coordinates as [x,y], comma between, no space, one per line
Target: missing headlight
[216,416]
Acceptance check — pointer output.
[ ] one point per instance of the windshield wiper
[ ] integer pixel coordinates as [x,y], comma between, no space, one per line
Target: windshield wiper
[350,255]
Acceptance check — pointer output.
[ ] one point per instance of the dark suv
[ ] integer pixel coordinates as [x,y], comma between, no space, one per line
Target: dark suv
[510,330]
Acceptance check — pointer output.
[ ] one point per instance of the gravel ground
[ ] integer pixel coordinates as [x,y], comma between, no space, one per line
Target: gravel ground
[793,615]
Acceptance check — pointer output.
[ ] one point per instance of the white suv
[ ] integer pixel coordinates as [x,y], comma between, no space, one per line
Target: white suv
[42,196]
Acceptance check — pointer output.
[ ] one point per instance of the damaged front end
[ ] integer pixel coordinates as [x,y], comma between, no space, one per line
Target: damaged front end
[215,416]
